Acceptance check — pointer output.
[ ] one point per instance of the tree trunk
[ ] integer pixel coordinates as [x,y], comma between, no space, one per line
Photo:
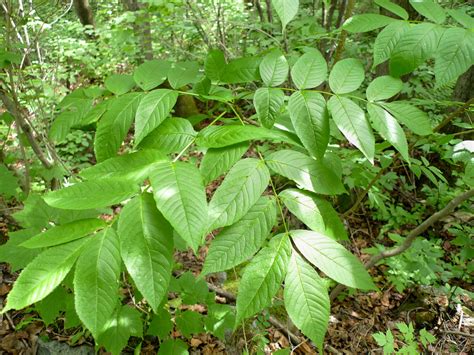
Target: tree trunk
[142,30]
[269,11]
[463,92]
[342,10]
[255,4]
[84,12]
[332,8]
[464,89]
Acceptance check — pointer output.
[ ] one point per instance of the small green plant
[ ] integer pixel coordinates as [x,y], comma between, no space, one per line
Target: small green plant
[406,337]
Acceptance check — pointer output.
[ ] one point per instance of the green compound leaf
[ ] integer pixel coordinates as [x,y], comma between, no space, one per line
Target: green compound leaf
[12,253]
[346,76]
[124,323]
[310,174]
[310,120]
[223,136]
[388,127]
[180,196]
[332,258]
[96,281]
[218,161]
[393,8]
[183,73]
[151,74]
[383,87]
[153,109]
[173,347]
[134,166]
[415,46]
[310,70]
[263,277]
[239,191]
[306,299]
[146,246]
[274,68]
[40,277]
[455,55]
[460,16]
[9,184]
[286,10]
[315,212]
[387,40]
[172,136]
[412,117]
[215,65]
[92,194]
[268,103]
[351,121]
[237,243]
[64,233]
[114,125]
[366,22]
[241,70]
[119,84]
[430,9]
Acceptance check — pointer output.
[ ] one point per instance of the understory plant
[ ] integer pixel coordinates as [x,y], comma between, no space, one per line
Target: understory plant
[118,222]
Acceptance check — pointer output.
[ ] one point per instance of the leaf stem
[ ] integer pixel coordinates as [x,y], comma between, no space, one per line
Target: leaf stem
[278,200]
[180,154]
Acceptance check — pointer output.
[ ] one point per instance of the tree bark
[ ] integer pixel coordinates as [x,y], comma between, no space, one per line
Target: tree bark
[463,92]
[142,30]
[84,12]
[341,10]
[464,89]
[256,4]
[332,8]
[269,11]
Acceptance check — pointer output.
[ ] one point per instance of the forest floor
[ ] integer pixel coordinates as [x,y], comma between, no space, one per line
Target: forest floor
[354,318]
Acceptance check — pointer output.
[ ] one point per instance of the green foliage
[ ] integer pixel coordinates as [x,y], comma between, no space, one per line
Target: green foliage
[315,140]
[332,258]
[310,70]
[353,124]
[92,194]
[154,107]
[263,276]
[310,120]
[43,275]
[64,233]
[308,173]
[237,243]
[146,247]
[306,299]
[180,197]
[286,10]
[274,68]
[239,191]
[218,161]
[96,281]
[366,22]
[405,334]
[268,103]
[317,213]
[9,183]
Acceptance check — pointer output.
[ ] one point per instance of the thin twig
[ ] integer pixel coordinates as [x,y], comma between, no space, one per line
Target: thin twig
[272,320]
[455,332]
[435,217]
